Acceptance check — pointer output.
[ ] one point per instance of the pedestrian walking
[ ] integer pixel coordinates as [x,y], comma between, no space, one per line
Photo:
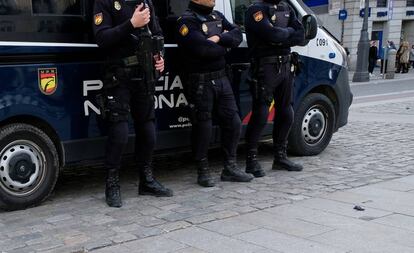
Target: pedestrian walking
[272,29]
[404,57]
[373,57]
[204,37]
[412,56]
[129,86]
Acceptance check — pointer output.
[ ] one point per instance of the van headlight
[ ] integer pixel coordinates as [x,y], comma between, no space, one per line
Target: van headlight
[342,51]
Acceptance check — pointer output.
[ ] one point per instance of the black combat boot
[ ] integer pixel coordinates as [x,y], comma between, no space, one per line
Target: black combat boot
[113,190]
[253,166]
[204,176]
[281,161]
[148,185]
[233,174]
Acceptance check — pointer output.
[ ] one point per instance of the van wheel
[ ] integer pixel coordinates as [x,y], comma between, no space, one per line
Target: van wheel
[314,125]
[29,166]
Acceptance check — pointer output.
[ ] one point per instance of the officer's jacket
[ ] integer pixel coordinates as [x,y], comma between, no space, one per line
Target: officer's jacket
[194,28]
[113,28]
[272,29]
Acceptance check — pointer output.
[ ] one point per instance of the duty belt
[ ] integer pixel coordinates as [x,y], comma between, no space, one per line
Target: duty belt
[275,59]
[202,77]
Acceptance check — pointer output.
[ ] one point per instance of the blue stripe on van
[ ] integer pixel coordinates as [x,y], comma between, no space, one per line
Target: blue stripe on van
[64,110]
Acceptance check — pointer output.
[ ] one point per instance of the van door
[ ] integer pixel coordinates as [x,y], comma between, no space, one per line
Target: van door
[239,59]
[172,112]
[240,62]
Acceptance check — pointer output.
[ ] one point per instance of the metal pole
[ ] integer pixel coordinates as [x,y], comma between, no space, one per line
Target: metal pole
[361,73]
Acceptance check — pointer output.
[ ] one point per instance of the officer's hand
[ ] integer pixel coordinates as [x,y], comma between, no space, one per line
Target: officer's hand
[214,39]
[159,63]
[141,17]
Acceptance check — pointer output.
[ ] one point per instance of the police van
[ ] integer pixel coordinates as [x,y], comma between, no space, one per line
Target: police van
[50,73]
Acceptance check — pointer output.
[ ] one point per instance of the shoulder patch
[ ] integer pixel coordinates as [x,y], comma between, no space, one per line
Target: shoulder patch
[98,18]
[258,16]
[184,30]
[117,5]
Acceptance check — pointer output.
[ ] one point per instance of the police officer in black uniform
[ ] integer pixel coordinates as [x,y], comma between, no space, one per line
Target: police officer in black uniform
[128,31]
[204,36]
[272,29]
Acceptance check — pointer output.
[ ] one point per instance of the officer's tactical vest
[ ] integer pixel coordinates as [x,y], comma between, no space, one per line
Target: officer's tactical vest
[210,25]
[279,15]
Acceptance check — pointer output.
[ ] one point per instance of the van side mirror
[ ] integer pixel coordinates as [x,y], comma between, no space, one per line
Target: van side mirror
[311,26]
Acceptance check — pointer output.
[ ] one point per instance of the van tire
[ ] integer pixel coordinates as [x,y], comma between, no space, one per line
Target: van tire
[29,166]
[313,127]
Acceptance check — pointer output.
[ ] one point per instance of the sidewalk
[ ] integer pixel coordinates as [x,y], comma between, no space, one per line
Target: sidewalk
[377,77]
[327,223]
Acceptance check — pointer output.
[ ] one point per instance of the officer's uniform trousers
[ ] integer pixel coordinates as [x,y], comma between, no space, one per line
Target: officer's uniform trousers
[213,98]
[134,97]
[275,81]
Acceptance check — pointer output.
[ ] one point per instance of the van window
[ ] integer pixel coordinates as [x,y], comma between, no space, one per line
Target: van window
[168,11]
[56,7]
[66,21]
[239,7]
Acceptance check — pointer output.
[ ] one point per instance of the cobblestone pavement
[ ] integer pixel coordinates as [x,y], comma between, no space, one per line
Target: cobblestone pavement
[76,219]
[406,108]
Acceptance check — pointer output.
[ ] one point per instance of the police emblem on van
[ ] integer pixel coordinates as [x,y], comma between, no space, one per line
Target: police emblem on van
[47,80]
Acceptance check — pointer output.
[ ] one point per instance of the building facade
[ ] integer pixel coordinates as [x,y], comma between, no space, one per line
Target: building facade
[389,20]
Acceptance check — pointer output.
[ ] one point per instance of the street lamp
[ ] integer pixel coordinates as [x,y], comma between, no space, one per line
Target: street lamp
[361,72]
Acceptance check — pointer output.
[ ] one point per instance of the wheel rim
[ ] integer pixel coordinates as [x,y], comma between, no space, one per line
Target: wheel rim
[22,168]
[314,125]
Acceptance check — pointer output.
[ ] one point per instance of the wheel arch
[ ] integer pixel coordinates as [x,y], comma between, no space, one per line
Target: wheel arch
[44,126]
[329,92]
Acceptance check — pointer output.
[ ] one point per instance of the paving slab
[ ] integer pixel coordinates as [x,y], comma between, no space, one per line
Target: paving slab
[229,227]
[352,242]
[190,250]
[211,242]
[391,201]
[396,186]
[154,245]
[281,242]
[398,220]
[287,225]
[345,209]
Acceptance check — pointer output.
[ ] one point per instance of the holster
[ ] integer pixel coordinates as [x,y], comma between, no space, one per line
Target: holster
[296,62]
[252,79]
[111,108]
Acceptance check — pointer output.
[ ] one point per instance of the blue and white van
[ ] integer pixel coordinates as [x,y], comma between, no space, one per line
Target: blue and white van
[50,73]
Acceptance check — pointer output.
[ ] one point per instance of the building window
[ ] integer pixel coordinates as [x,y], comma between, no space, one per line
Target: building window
[410,3]
[382,3]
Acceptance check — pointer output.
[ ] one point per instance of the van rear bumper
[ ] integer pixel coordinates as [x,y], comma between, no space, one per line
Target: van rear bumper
[345,97]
